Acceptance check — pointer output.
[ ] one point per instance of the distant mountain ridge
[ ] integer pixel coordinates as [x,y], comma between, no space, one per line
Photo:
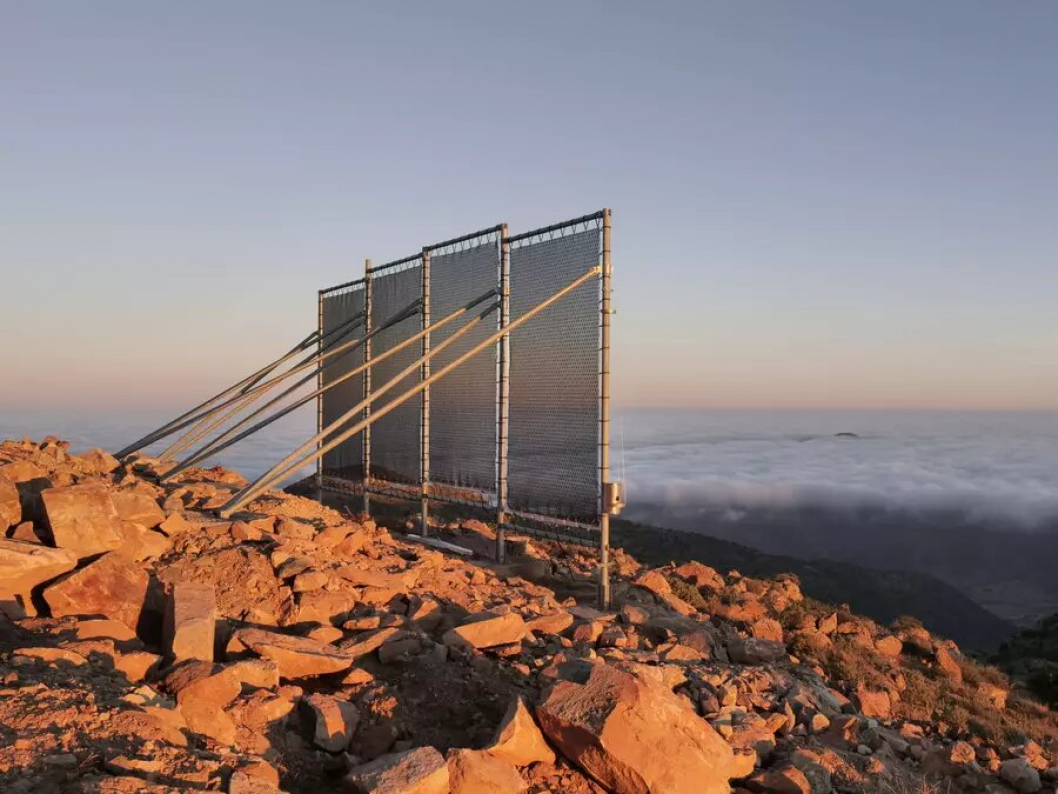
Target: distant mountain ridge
[882,595]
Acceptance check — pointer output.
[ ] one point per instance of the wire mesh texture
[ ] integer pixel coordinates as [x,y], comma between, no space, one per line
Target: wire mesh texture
[553,453]
[463,403]
[339,305]
[395,438]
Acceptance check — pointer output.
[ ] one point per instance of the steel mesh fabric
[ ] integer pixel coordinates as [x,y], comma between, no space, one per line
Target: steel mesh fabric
[554,385]
[463,403]
[395,438]
[344,461]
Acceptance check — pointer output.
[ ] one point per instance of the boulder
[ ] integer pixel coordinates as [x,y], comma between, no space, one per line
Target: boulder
[873,703]
[175,524]
[325,606]
[335,721]
[656,583]
[700,575]
[487,632]
[419,771]
[1020,775]
[949,761]
[889,646]
[190,621]
[137,507]
[297,657]
[10,504]
[786,779]
[478,772]
[83,519]
[142,543]
[518,740]
[555,623]
[752,650]
[947,663]
[766,629]
[634,736]
[18,471]
[113,586]
[202,691]
[99,461]
[23,566]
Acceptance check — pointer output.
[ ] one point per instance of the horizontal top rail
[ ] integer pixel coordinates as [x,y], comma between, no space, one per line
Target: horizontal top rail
[466,237]
[390,265]
[555,227]
[354,283]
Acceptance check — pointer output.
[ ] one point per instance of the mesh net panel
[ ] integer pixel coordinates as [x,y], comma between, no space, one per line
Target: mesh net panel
[554,387]
[346,460]
[463,403]
[395,438]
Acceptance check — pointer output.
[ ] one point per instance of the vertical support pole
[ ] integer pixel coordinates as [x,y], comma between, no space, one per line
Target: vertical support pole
[424,423]
[604,417]
[366,434]
[503,373]
[319,399]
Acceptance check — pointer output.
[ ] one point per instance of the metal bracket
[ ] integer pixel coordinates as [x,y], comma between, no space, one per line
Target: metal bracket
[613,497]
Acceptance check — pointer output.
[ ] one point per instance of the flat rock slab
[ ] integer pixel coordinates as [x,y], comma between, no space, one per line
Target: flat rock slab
[23,566]
[363,644]
[419,771]
[488,632]
[83,519]
[635,736]
[362,577]
[297,657]
[112,586]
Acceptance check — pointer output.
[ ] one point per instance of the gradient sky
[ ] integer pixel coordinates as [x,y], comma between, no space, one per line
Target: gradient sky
[815,204]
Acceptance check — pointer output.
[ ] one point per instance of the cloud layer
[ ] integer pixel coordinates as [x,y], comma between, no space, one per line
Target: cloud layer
[991,466]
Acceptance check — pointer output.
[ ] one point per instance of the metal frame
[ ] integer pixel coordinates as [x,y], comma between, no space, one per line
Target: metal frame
[594,535]
[330,346]
[372,482]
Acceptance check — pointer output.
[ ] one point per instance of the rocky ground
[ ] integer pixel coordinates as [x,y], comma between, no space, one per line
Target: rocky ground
[147,646]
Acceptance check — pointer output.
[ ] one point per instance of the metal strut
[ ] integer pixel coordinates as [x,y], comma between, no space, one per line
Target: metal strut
[244,384]
[226,440]
[198,414]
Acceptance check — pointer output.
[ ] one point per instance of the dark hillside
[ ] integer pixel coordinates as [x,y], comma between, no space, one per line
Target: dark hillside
[883,595]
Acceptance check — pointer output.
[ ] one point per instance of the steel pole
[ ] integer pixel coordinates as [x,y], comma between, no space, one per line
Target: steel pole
[424,403]
[366,447]
[604,417]
[319,397]
[503,372]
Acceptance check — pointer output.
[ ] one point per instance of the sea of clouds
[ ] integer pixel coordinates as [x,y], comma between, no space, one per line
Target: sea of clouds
[992,467]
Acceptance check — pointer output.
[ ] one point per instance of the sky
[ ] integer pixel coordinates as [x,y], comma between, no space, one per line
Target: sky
[817,204]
